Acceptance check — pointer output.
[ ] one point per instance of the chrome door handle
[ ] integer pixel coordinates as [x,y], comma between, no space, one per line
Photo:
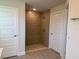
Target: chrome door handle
[51,33]
[15,35]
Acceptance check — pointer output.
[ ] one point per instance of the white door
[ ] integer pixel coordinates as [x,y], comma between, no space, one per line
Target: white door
[8,30]
[72,48]
[56,30]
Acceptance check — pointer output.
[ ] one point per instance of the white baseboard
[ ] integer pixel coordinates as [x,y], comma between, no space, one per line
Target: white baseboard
[21,53]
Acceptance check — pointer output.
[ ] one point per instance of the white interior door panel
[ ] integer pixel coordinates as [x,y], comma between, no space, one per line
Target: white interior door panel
[8,30]
[56,33]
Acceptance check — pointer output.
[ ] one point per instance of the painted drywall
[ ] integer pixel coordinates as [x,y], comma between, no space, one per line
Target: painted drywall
[45,18]
[21,16]
[63,24]
[43,4]
[72,48]
[33,27]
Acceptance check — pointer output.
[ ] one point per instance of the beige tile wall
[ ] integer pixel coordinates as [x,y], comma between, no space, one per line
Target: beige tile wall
[37,27]
[33,27]
[45,18]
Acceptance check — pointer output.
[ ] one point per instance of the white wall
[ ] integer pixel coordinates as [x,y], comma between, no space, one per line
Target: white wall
[72,48]
[61,7]
[21,15]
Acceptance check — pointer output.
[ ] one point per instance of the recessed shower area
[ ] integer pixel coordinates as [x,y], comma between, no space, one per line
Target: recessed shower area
[37,29]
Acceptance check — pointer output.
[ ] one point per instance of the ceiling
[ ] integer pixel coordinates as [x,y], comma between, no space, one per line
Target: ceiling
[42,5]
